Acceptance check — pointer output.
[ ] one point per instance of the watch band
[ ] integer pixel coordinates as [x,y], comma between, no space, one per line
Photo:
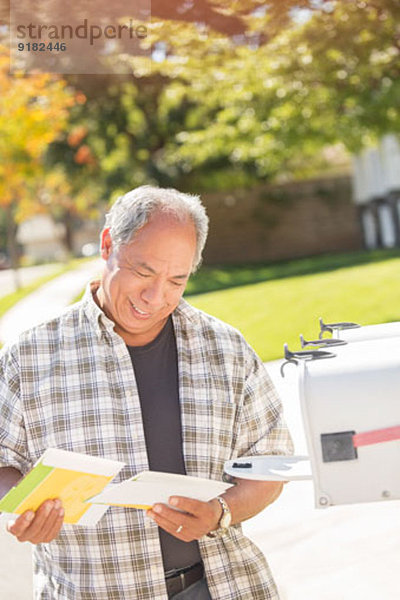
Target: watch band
[224,521]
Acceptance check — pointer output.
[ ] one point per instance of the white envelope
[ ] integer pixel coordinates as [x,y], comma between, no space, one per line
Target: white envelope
[149,487]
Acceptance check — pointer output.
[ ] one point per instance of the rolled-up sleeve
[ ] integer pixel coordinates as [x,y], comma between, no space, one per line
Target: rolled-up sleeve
[13,447]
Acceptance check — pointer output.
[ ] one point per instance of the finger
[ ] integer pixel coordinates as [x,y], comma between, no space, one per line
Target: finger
[52,525]
[179,530]
[20,524]
[182,526]
[38,525]
[191,506]
[56,527]
[168,515]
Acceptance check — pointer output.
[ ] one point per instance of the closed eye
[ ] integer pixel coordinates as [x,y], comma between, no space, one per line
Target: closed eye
[142,274]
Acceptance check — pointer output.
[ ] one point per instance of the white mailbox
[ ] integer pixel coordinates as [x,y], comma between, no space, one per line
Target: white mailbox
[351,414]
[369,332]
[350,403]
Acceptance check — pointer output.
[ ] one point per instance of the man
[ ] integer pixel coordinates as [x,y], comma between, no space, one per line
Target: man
[135,374]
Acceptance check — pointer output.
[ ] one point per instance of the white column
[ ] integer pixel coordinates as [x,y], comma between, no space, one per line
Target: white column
[369,229]
[374,174]
[387,225]
[390,157]
[359,181]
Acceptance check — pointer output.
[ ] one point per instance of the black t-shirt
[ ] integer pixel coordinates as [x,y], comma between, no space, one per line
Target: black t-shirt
[156,372]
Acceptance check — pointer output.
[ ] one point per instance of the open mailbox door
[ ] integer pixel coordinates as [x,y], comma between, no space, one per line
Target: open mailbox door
[350,405]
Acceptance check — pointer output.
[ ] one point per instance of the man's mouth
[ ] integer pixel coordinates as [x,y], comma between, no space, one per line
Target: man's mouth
[140,312]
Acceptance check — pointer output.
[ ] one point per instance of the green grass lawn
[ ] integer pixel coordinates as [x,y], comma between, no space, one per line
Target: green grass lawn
[273,304]
[209,279]
[275,311]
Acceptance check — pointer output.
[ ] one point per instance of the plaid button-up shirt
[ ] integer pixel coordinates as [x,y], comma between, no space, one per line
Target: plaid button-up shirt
[69,383]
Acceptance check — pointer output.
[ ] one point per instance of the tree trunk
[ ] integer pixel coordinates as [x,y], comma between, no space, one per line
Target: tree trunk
[12,245]
[68,222]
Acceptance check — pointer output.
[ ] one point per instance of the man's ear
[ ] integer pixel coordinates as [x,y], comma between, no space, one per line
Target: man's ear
[106,244]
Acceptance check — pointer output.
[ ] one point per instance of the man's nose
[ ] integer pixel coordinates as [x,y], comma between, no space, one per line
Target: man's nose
[153,293]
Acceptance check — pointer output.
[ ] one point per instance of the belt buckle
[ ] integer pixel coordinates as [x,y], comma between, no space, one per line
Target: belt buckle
[175,575]
[182,580]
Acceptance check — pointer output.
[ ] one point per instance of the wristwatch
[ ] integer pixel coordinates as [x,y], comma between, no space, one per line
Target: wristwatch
[225,519]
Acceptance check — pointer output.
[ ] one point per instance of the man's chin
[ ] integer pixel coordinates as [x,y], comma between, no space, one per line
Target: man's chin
[140,332]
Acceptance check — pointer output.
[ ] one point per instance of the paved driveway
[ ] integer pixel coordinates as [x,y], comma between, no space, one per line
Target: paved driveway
[48,301]
[26,276]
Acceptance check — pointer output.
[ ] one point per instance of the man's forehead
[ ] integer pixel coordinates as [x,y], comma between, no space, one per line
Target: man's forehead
[142,252]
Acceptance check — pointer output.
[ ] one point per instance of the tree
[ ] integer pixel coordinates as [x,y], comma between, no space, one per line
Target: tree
[270,109]
[136,127]
[228,18]
[238,92]
[33,111]
[348,62]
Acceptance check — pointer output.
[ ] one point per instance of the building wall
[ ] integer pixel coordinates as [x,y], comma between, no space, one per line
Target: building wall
[282,221]
[41,239]
[266,223]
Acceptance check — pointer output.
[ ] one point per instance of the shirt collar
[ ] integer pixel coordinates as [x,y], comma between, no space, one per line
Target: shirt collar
[185,310]
[93,311]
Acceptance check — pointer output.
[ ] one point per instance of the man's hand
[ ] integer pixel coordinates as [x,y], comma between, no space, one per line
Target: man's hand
[245,499]
[196,521]
[40,527]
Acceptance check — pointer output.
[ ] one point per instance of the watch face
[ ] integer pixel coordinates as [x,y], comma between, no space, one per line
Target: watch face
[226,516]
[225,520]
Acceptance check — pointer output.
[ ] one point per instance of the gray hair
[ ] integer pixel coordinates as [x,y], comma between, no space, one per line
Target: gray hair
[131,212]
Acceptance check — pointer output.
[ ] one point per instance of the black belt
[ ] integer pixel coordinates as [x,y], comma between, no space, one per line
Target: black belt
[178,580]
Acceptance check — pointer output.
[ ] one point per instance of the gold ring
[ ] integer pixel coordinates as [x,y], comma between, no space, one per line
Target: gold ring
[179,529]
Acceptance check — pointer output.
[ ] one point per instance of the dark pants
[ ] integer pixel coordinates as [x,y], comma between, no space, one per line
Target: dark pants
[196,591]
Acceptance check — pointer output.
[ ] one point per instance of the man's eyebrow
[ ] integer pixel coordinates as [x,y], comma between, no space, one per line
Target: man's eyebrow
[144,265]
